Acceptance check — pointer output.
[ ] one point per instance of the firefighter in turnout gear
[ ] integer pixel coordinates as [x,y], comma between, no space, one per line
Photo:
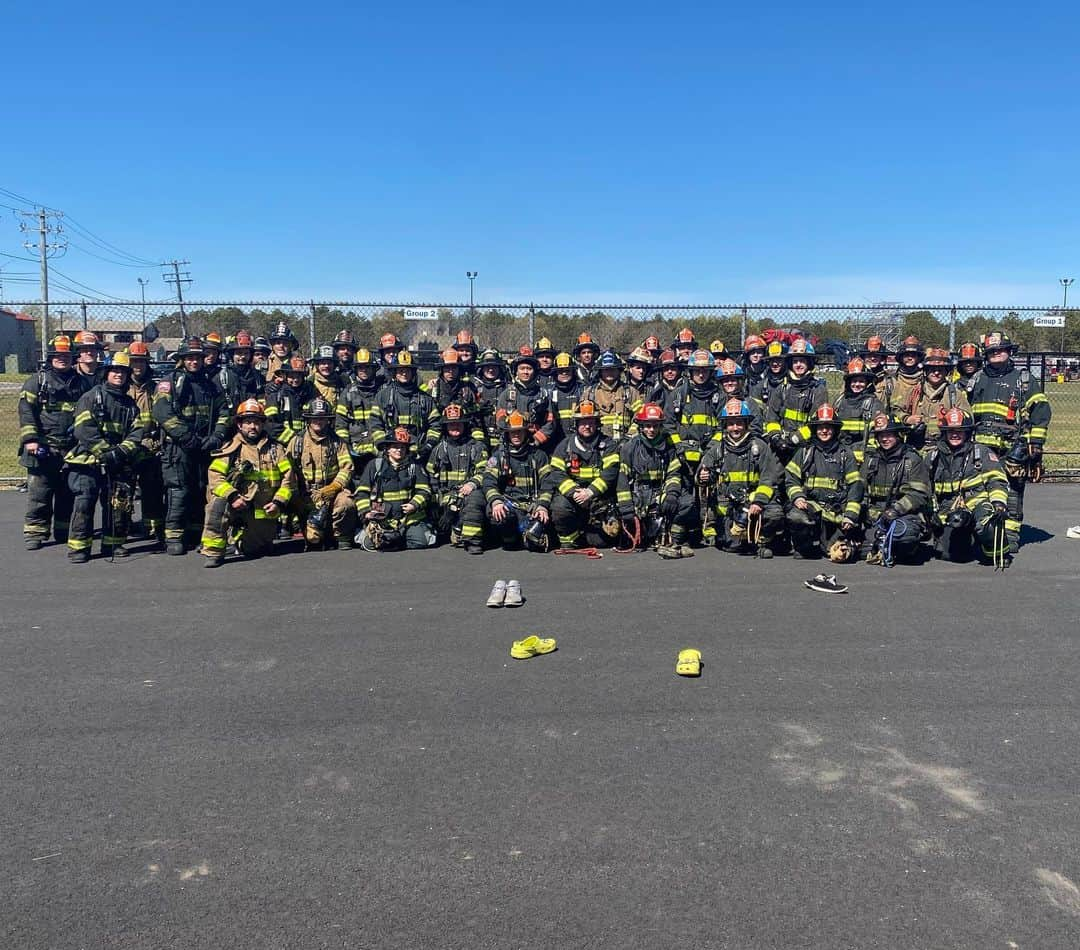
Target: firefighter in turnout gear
[971,494]
[739,478]
[775,371]
[545,354]
[238,380]
[525,395]
[564,397]
[283,344]
[468,354]
[616,401]
[88,356]
[657,503]
[449,388]
[968,363]
[875,357]
[669,390]
[898,500]
[696,409]
[907,382]
[490,380]
[455,470]
[212,347]
[753,364]
[731,378]
[324,375]
[931,398]
[1012,416]
[586,354]
[392,496]
[147,464]
[793,403]
[824,492]
[402,404]
[251,482]
[389,347]
[584,470]
[684,345]
[857,407]
[191,413]
[323,468]
[285,406]
[515,488]
[353,422]
[108,434]
[345,348]
[639,365]
[46,433]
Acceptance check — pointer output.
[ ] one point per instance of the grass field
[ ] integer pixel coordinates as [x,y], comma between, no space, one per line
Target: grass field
[1064,430]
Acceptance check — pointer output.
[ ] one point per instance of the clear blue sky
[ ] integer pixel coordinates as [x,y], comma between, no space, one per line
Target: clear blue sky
[631,152]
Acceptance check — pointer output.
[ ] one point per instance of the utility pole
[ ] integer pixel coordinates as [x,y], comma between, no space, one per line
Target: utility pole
[143,281]
[178,279]
[43,249]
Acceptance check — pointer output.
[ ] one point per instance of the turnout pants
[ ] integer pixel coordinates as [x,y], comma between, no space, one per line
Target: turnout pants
[88,486]
[184,475]
[151,485]
[253,530]
[48,499]
[813,530]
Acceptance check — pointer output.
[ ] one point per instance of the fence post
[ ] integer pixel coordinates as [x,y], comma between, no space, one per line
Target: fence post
[311,334]
[532,326]
[742,328]
[952,330]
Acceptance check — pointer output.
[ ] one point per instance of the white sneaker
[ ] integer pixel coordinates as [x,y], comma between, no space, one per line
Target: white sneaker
[497,595]
[513,594]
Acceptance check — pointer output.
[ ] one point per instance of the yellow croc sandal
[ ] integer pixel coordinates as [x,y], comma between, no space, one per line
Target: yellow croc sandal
[689,663]
[532,646]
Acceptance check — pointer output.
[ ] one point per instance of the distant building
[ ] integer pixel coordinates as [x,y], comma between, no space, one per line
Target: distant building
[17,339]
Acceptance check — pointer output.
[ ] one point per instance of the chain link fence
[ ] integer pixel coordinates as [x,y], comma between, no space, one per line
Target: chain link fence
[432,326]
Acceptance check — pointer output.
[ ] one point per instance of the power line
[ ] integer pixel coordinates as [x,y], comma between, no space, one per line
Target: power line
[107,260]
[104,245]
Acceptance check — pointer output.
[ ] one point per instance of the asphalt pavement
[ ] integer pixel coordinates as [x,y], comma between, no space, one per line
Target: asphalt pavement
[336,750]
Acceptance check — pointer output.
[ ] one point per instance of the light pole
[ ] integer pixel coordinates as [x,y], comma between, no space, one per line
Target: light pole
[143,281]
[1066,283]
[471,274]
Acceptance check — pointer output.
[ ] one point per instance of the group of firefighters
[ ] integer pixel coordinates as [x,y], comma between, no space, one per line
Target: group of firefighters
[245,442]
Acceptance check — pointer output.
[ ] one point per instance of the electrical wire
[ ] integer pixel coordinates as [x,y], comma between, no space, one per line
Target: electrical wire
[84,250]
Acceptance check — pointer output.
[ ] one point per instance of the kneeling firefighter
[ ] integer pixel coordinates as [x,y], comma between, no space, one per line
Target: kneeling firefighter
[324,469]
[251,482]
[514,487]
[825,492]
[971,494]
[584,470]
[656,504]
[897,494]
[739,477]
[392,497]
[455,469]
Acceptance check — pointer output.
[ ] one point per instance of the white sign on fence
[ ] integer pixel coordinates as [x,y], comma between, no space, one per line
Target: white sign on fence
[1048,320]
[421,313]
